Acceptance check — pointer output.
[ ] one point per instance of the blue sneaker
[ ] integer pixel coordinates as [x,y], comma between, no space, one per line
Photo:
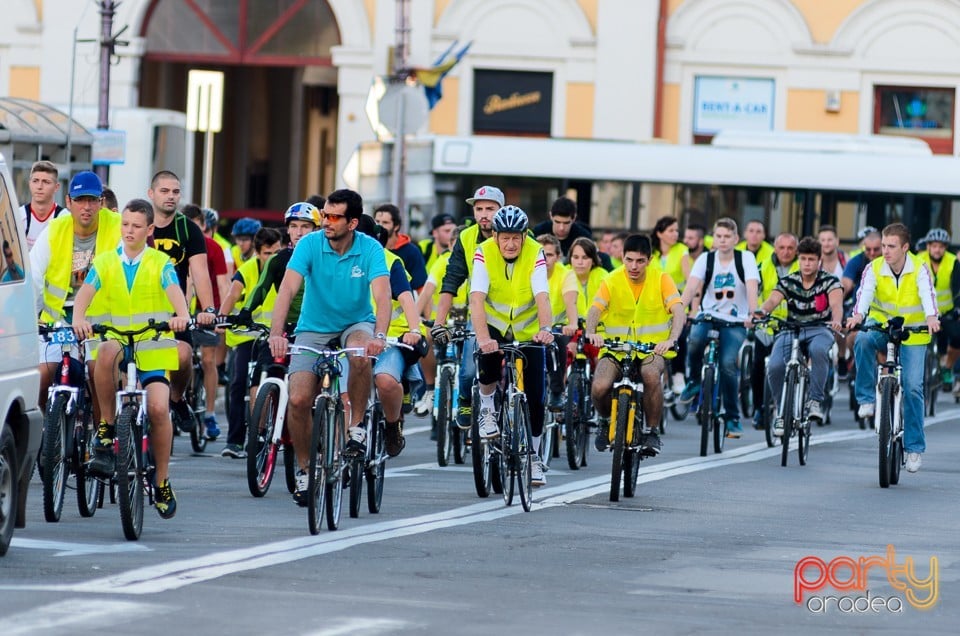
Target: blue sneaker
[213,431]
[690,392]
[734,430]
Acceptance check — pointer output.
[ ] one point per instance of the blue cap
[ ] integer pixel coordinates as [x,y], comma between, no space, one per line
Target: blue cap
[85,184]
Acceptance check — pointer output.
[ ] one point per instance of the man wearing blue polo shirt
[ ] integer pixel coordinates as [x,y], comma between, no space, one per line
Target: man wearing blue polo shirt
[341,268]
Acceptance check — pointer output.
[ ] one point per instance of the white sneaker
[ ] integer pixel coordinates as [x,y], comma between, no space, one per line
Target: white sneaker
[778,427]
[866,411]
[913,462]
[537,477]
[814,411]
[358,435]
[488,424]
[678,383]
[425,404]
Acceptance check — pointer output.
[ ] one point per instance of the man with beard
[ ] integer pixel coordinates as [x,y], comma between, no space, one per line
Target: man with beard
[442,227]
[184,243]
[693,239]
[832,259]
[387,216]
[563,224]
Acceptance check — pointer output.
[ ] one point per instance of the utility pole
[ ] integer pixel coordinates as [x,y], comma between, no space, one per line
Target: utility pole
[400,73]
[108,44]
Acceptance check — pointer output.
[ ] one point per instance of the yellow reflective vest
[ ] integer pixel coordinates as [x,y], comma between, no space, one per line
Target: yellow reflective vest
[555,281]
[941,279]
[645,319]
[437,272]
[763,254]
[133,308]
[398,319]
[770,277]
[891,299]
[510,303]
[250,273]
[589,291]
[674,263]
[56,280]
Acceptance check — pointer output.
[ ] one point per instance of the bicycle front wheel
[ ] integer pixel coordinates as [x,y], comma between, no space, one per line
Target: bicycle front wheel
[885,431]
[745,364]
[129,473]
[55,469]
[333,461]
[198,404]
[705,409]
[261,450]
[572,417]
[523,455]
[375,472]
[317,469]
[788,412]
[89,488]
[445,416]
[619,443]
[478,450]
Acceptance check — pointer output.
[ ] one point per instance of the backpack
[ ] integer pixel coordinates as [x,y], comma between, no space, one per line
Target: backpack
[57,209]
[737,263]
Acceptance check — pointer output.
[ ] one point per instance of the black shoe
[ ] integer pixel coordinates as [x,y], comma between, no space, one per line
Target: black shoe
[650,445]
[183,415]
[166,500]
[222,378]
[556,401]
[393,439]
[301,493]
[602,439]
[103,462]
[356,446]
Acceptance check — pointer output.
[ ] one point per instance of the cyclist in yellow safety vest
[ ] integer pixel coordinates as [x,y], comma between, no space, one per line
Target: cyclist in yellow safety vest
[637,303]
[266,242]
[243,232]
[946,283]
[754,240]
[899,284]
[564,291]
[669,254]
[136,283]
[510,301]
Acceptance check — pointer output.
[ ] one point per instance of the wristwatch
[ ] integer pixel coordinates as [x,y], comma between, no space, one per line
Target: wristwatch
[210,310]
[381,336]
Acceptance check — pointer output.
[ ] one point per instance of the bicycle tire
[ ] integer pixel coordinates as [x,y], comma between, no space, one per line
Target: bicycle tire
[803,442]
[932,381]
[548,438]
[55,471]
[355,479]
[9,494]
[787,413]
[197,400]
[523,458]
[459,444]
[129,473]
[897,460]
[261,450]
[884,432]
[290,467]
[482,477]
[572,418]
[89,488]
[745,364]
[705,410]
[619,443]
[316,468]
[768,414]
[508,442]
[376,472]
[334,459]
[444,418]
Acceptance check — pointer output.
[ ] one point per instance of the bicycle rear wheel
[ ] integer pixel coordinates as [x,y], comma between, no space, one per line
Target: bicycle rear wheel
[129,473]
[262,451]
[631,471]
[508,448]
[333,459]
[290,467]
[787,411]
[55,469]
[356,466]
[197,400]
[619,443]
[705,409]
[445,416]
[885,431]
[523,456]
[89,488]
[317,469]
[375,472]
[803,441]
[572,417]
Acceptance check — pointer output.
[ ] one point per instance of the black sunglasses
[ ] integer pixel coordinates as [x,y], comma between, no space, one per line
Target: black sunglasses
[719,294]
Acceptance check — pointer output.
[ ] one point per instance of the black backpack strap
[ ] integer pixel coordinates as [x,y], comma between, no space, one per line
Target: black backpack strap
[26,210]
[738,263]
[708,275]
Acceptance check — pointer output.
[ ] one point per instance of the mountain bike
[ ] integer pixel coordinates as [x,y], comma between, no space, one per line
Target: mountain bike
[627,418]
[450,438]
[325,472]
[135,467]
[889,400]
[67,430]
[578,410]
[708,400]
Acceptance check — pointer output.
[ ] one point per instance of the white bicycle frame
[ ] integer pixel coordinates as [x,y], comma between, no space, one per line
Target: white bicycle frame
[896,419]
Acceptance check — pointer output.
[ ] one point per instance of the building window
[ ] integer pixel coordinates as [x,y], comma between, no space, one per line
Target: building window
[915,111]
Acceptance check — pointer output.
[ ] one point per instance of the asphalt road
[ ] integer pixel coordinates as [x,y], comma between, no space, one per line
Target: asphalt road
[709,545]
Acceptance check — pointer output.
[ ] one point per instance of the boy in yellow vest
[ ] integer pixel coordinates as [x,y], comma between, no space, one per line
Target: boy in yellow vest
[138,283]
[899,284]
[637,307]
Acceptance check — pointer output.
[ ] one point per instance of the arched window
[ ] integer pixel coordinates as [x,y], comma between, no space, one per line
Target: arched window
[276,33]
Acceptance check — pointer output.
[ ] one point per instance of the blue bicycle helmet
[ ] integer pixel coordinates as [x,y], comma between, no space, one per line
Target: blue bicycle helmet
[245,227]
[302,211]
[211,218]
[510,218]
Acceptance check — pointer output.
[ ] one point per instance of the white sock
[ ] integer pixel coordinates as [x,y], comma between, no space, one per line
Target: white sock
[487,402]
[536,441]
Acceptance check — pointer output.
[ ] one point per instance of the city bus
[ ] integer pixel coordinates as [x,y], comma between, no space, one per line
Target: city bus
[790,181]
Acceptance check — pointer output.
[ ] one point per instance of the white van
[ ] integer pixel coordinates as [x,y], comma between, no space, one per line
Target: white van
[21,422]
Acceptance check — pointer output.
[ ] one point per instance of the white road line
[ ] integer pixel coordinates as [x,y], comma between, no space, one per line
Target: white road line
[362,627]
[65,548]
[176,574]
[75,613]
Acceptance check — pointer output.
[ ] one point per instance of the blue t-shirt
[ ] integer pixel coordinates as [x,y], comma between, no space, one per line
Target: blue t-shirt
[336,288]
[854,271]
[399,282]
